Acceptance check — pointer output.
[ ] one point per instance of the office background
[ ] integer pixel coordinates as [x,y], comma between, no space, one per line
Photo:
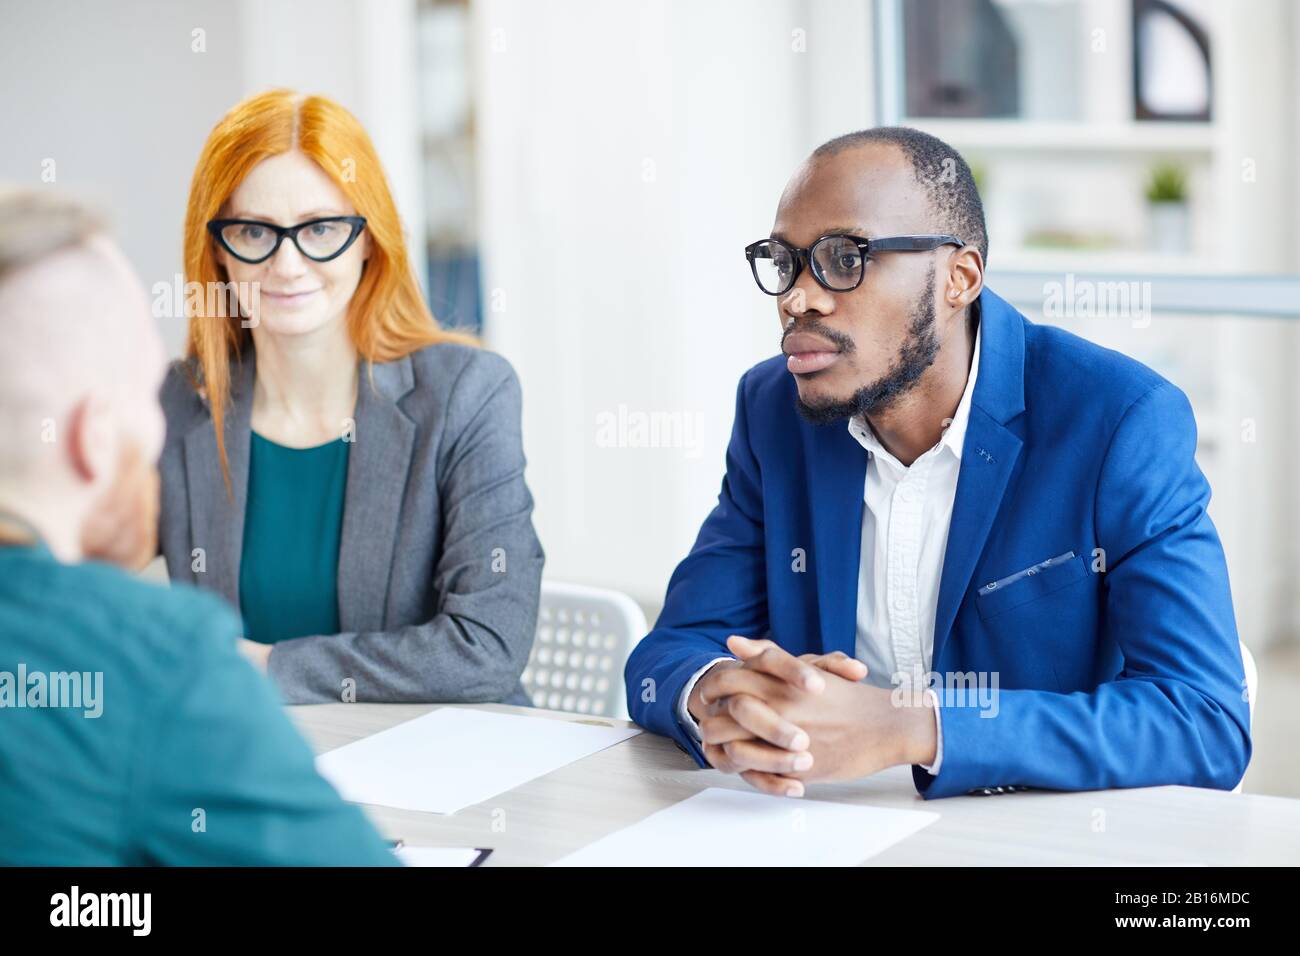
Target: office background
[578,179]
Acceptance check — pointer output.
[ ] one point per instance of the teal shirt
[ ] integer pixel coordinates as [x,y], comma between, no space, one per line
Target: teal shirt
[190,760]
[288,574]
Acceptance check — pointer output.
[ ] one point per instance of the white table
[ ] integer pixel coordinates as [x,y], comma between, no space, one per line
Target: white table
[554,815]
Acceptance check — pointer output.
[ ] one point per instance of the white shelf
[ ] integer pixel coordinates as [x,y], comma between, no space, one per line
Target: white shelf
[1146,138]
[1111,261]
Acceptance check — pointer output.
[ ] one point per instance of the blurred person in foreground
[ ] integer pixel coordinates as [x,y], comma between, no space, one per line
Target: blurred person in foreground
[131,729]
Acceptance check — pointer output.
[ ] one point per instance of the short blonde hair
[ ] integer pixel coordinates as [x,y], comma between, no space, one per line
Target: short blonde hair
[36,223]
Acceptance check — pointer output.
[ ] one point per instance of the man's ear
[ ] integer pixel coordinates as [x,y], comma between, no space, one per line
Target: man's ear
[92,445]
[965,278]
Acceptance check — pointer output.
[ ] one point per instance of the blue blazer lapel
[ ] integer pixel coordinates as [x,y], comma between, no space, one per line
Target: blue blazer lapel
[988,457]
[836,482]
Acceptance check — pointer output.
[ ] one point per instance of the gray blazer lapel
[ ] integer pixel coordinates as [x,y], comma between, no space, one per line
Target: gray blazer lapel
[378,463]
[217,522]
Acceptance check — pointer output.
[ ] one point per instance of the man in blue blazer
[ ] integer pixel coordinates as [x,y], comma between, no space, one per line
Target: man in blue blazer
[947,536]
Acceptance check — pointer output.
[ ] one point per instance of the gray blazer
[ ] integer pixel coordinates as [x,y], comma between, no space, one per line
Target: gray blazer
[439,566]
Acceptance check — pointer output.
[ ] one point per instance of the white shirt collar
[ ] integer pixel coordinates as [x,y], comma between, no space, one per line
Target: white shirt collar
[954,436]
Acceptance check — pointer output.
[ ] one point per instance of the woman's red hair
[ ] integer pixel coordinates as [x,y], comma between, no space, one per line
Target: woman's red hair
[387,317]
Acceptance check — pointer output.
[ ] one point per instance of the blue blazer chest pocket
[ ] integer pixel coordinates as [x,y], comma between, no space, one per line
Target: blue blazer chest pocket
[1029,584]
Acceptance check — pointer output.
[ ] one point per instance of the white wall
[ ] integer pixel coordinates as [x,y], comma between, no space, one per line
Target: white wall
[1255,505]
[116,96]
[628,154]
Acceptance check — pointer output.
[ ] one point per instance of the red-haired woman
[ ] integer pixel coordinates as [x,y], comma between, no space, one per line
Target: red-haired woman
[349,475]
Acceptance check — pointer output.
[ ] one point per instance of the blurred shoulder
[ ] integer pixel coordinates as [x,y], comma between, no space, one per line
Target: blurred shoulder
[158,632]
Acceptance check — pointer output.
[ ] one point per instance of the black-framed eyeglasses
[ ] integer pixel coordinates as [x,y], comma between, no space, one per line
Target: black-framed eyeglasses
[839,261]
[254,241]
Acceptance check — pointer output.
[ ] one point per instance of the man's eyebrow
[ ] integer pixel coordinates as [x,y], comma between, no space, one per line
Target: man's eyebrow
[833,231]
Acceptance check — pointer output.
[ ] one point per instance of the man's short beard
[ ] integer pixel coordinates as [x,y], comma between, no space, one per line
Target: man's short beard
[917,354]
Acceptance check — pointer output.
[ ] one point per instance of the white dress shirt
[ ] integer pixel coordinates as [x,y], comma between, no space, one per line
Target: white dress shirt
[905,519]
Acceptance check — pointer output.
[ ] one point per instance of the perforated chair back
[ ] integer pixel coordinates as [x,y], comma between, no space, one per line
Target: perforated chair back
[584,636]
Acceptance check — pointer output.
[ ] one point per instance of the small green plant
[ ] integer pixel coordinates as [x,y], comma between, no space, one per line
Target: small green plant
[1167,183]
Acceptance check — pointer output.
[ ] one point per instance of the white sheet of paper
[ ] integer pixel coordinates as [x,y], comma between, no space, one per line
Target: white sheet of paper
[436,855]
[452,758]
[718,827]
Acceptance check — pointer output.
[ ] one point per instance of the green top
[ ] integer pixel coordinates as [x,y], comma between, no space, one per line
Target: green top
[288,574]
[176,751]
